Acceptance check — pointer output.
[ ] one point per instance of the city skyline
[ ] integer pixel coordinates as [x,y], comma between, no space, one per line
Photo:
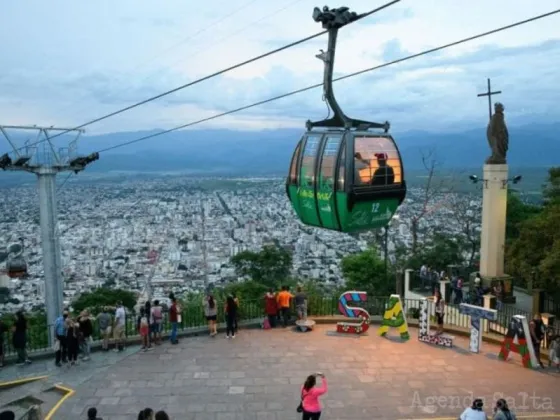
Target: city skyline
[108,232]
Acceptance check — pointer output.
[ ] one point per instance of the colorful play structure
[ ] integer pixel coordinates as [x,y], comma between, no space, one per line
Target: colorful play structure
[353,312]
[394,318]
[477,314]
[515,340]
[424,333]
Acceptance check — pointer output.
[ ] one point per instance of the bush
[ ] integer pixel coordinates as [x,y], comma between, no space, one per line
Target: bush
[103,296]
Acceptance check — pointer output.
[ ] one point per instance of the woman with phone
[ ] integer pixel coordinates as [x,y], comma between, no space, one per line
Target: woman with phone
[310,407]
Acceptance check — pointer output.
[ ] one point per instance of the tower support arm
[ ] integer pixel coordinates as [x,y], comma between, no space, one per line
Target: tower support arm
[333,20]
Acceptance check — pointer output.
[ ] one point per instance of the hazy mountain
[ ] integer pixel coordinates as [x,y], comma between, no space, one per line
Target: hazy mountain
[269,152]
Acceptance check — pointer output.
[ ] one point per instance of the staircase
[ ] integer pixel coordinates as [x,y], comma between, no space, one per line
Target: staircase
[31,399]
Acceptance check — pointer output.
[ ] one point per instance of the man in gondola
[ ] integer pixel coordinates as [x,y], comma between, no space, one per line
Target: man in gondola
[384,174]
[359,164]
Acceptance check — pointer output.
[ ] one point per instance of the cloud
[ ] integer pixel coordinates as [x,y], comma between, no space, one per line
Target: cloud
[108,65]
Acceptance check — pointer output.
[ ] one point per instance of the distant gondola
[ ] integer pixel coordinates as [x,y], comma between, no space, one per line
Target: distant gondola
[16,265]
[345,174]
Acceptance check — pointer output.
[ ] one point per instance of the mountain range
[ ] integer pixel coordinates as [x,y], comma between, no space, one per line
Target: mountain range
[268,152]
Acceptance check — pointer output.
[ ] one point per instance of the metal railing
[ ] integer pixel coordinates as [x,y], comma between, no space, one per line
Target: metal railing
[422,285]
[192,316]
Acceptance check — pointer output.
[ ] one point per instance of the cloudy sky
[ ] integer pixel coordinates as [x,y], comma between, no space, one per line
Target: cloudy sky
[65,62]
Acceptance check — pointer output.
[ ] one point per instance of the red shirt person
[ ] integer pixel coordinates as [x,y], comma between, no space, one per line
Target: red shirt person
[173,317]
[271,307]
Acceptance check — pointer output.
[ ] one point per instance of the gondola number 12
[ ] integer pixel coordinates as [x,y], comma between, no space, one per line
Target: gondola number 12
[375,207]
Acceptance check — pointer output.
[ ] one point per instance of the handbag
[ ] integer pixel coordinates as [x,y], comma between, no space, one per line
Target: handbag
[266,324]
[299,408]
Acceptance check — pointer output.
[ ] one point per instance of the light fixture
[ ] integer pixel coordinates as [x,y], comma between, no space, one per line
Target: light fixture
[5,161]
[474,179]
[517,179]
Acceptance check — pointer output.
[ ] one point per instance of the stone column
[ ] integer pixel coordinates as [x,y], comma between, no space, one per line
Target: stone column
[494,206]
[445,288]
[489,303]
[407,274]
[536,301]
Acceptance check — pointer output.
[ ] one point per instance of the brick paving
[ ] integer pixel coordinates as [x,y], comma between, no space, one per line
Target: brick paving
[258,376]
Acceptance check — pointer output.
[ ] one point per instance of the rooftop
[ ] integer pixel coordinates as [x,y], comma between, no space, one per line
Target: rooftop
[258,376]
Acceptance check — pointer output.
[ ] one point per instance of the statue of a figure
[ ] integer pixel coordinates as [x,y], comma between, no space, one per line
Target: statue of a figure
[498,137]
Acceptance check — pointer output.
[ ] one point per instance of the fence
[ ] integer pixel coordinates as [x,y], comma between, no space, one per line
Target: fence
[193,316]
[421,285]
[551,304]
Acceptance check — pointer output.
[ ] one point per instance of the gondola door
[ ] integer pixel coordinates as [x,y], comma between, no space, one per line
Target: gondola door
[308,209]
[326,198]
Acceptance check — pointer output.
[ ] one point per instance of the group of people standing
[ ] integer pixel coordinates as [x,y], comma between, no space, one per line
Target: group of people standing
[231,312]
[278,306]
[73,334]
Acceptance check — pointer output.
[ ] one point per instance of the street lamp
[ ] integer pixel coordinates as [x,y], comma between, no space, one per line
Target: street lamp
[385,245]
[514,180]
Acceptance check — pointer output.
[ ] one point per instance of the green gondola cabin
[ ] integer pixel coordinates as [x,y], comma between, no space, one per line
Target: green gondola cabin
[345,174]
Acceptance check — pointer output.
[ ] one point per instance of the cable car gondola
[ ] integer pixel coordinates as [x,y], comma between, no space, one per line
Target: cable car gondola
[16,265]
[345,174]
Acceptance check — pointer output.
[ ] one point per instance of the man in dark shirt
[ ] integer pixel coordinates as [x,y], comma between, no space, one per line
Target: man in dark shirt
[384,174]
[301,303]
[536,327]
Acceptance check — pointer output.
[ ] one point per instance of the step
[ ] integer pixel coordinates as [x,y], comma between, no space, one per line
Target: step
[20,398]
[49,399]
[12,393]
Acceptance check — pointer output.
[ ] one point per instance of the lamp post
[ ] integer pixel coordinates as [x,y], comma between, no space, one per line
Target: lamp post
[386,245]
[386,253]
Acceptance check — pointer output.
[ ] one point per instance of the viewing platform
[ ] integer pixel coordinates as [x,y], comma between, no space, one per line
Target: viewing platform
[258,375]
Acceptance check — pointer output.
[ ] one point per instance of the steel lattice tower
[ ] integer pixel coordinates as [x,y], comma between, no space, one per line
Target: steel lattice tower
[42,159]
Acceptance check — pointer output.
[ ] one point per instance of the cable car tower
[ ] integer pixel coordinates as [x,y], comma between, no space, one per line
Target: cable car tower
[42,159]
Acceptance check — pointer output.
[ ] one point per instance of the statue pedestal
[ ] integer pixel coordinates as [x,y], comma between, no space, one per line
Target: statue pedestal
[494,206]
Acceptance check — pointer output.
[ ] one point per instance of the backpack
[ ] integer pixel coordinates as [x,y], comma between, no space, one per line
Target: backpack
[156,313]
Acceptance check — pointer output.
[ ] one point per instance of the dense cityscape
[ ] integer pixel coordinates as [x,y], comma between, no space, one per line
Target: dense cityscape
[177,234]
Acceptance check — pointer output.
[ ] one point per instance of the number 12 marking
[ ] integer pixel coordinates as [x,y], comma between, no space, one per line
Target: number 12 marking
[375,207]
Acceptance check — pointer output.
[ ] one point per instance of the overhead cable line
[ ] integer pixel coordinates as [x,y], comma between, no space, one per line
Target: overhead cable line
[229,36]
[348,76]
[64,182]
[166,50]
[218,73]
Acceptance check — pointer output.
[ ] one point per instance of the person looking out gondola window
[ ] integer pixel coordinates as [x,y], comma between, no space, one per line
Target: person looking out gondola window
[384,174]
[360,164]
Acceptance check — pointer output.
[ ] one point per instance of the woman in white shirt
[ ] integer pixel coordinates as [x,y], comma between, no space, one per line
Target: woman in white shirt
[475,411]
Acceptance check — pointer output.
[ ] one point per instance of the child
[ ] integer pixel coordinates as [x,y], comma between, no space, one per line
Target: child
[143,329]
[554,355]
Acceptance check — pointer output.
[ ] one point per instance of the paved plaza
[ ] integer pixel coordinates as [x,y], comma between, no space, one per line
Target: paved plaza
[258,375]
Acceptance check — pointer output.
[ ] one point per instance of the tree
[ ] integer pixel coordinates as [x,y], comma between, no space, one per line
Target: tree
[551,191]
[101,297]
[442,250]
[366,272]
[430,198]
[517,213]
[269,267]
[467,214]
[535,252]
